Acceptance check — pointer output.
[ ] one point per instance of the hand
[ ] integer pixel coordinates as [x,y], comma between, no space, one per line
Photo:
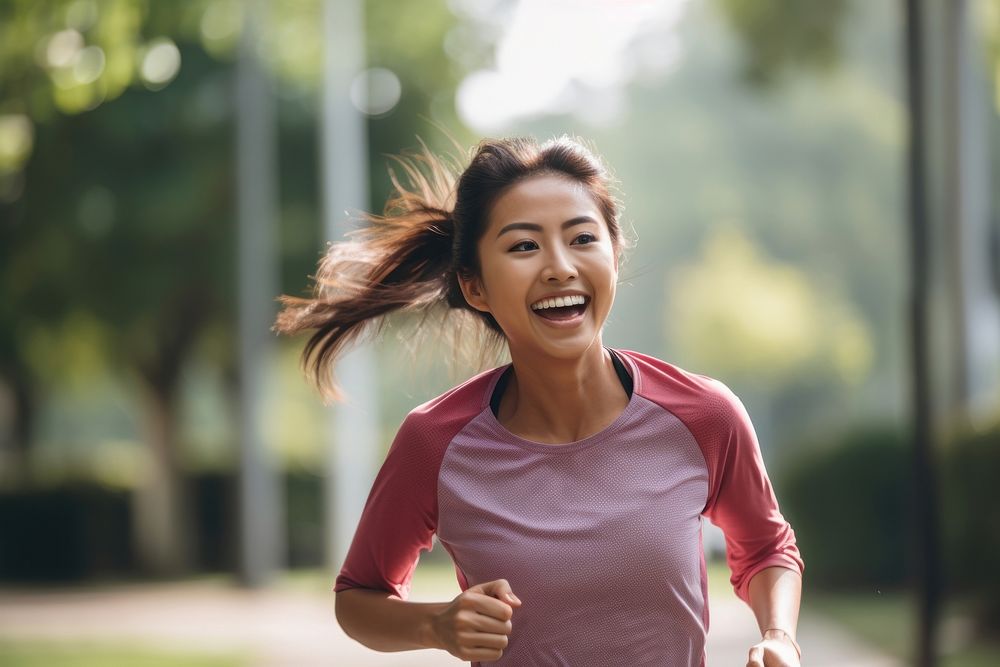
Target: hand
[476,625]
[773,651]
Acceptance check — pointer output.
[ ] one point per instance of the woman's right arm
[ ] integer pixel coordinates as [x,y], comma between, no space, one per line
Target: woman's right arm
[474,626]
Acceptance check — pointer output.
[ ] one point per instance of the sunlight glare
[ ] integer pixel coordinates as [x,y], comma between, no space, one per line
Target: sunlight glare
[551,53]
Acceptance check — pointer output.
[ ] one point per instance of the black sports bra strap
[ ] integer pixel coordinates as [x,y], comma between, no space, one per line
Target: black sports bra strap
[623,375]
[498,390]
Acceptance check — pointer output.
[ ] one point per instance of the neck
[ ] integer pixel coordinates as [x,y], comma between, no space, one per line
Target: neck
[562,400]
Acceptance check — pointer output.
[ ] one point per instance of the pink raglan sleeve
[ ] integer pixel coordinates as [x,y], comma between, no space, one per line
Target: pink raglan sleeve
[741,501]
[399,518]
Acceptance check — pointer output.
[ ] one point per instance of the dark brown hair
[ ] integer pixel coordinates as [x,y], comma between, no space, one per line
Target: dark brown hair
[409,258]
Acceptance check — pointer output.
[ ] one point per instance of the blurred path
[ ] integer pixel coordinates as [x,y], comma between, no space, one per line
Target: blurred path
[283,628]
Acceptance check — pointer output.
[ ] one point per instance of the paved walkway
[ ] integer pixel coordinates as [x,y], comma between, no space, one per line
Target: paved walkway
[283,628]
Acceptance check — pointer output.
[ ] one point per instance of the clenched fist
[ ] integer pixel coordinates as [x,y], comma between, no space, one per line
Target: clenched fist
[476,625]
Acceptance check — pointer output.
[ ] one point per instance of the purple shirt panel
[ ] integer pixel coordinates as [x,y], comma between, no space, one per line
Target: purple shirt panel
[600,539]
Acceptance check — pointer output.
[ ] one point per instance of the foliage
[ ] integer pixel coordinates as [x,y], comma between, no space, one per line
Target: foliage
[987,19]
[780,35]
[850,506]
[848,503]
[971,515]
[76,531]
[65,533]
[123,176]
[408,38]
[117,228]
[740,316]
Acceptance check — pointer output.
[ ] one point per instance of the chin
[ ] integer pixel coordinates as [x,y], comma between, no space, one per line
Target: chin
[571,348]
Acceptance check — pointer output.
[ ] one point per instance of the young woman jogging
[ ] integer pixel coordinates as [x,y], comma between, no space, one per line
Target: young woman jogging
[569,485]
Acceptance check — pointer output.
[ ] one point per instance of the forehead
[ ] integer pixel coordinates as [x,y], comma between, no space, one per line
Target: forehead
[541,198]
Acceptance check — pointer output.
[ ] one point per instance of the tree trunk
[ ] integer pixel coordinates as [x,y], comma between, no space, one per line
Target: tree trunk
[161,517]
[17,411]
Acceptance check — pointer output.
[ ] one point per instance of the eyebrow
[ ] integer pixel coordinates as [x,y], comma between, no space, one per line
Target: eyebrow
[531,226]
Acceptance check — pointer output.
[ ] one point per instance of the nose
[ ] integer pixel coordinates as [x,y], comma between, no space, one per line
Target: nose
[558,267]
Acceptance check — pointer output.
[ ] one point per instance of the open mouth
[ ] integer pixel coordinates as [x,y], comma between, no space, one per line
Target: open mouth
[561,309]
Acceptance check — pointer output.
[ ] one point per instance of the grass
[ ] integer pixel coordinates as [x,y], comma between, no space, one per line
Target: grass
[887,620]
[24,653]
[880,619]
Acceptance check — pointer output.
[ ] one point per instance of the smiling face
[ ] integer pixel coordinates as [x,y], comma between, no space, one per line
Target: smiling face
[545,242]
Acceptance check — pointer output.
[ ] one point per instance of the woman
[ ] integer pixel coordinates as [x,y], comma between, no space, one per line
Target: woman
[569,485]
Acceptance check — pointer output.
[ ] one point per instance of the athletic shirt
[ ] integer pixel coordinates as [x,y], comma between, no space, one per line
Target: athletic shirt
[599,538]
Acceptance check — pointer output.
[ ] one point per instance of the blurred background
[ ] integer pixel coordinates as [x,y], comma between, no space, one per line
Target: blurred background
[813,190]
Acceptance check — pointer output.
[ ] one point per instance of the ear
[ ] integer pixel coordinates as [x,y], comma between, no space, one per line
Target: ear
[472,290]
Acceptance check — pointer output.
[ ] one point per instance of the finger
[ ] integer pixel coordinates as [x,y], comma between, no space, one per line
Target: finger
[472,620]
[501,590]
[512,599]
[483,640]
[482,654]
[490,606]
[490,625]
[756,657]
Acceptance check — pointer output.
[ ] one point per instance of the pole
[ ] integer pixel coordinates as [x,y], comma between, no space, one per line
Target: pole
[354,424]
[261,502]
[924,487]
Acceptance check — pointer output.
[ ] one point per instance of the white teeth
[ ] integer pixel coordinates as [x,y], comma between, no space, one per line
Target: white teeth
[559,302]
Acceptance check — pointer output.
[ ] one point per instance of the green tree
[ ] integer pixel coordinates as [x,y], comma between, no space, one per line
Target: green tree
[761,322]
[118,208]
[782,35]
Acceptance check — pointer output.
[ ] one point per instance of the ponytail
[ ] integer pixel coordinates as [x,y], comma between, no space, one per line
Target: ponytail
[402,260]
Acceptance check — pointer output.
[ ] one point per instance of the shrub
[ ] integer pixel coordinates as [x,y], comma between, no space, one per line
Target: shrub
[847,502]
[971,523]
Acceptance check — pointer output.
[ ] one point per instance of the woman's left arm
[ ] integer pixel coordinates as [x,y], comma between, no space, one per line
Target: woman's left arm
[775,593]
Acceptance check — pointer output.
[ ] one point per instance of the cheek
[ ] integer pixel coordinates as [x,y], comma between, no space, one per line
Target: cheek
[503,283]
[607,261]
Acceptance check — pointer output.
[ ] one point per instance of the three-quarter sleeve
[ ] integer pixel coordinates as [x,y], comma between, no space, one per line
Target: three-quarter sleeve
[741,501]
[399,518]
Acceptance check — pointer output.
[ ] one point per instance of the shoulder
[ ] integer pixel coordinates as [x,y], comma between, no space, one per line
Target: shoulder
[440,418]
[423,438]
[687,394]
[711,412]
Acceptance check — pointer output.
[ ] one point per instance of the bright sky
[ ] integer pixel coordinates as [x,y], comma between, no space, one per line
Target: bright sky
[566,55]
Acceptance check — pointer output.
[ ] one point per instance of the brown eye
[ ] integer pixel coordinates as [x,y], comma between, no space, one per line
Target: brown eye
[587,236]
[521,245]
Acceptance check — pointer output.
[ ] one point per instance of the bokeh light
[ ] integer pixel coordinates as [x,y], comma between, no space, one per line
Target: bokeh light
[375,91]
[160,63]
